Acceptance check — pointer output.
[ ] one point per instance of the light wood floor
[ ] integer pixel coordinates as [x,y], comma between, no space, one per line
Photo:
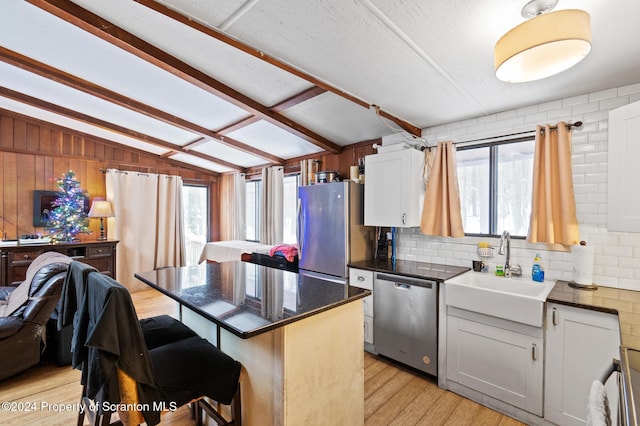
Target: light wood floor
[47,394]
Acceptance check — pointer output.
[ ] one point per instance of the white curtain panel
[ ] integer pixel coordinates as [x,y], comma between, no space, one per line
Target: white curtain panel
[143,245]
[271,205]
[233,190]
[170,249]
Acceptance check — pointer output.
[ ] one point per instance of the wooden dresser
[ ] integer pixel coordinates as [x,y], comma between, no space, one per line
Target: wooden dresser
[14,261]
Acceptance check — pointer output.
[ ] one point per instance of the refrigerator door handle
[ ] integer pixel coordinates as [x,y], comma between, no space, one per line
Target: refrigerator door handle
[299,231]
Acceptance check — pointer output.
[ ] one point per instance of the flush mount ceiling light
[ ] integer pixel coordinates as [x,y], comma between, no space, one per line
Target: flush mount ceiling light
[545,45]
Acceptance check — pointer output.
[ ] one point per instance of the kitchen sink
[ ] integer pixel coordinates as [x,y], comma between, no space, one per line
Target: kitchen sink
[517,299]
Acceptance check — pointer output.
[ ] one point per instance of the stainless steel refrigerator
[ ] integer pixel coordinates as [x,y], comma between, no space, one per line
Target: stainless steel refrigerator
[331,231]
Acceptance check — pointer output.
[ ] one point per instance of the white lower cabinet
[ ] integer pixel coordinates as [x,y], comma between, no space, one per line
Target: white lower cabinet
[581,345]
[364,279]
[499,358]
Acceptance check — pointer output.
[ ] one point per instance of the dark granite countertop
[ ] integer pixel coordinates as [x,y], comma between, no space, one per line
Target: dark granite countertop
[409,268]
[248,299]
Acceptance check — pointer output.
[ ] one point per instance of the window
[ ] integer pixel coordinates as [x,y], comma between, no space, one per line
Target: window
[252,207]
[495,182]
[195,201]
[290,209]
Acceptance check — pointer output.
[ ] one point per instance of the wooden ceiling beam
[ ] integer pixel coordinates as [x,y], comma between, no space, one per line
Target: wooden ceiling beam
[298,98]
[225,38]
[290,102]
[75,115]
[111,33]
[59,76]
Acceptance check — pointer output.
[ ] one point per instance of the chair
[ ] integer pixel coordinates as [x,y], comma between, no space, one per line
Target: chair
[23,331]
[120,370]
[157,330]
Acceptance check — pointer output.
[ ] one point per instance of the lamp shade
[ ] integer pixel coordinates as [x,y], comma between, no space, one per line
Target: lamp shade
[100,208]
[543,46]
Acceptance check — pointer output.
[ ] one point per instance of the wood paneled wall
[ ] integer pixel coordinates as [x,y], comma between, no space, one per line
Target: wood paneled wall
[34,154]
[328,162]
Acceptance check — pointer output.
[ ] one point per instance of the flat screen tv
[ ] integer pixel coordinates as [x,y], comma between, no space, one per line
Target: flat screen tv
[43,204]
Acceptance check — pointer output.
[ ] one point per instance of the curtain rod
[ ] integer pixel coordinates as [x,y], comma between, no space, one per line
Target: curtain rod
[569,126]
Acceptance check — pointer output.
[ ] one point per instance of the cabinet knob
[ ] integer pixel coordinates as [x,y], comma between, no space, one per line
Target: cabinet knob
[404,218]
[554,312]
[534,352]
[360,278]
[26,256]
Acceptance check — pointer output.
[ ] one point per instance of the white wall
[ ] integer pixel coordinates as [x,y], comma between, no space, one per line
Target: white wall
[617,258]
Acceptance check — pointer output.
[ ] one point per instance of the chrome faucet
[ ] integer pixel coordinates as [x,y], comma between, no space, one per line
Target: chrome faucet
[509,270]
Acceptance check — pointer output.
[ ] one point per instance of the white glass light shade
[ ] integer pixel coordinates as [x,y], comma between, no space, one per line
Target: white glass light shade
[543,46]
[100,208]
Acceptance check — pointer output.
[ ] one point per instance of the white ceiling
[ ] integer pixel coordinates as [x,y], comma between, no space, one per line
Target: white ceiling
[423,62]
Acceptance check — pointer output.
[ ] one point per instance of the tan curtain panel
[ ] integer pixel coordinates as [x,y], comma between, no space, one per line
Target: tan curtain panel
[441,211]
[272,205]
[148,223]
[553,204]
[232,207]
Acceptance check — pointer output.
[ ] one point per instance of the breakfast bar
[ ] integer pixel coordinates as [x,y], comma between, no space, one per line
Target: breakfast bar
[298,336]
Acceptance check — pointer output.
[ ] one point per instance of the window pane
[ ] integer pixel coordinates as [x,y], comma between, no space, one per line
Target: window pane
[513,186]
[290,212]
[473,179]
[252,205]
[196,220]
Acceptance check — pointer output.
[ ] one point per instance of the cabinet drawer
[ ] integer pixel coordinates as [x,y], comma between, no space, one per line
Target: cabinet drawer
[103,265]
[361,278]
[368,329]
[98,251]
[22,256]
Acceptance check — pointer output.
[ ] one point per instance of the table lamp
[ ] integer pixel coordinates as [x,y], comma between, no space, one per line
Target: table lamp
[101,208]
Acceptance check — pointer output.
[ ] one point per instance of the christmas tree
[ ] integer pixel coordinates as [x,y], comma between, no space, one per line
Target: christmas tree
[67,219]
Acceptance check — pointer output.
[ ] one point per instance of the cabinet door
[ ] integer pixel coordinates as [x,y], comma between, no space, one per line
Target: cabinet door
[392,188]
[581,345]
[501,363]
[623,206]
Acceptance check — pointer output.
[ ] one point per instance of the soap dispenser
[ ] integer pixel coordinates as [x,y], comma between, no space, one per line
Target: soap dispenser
[537,270]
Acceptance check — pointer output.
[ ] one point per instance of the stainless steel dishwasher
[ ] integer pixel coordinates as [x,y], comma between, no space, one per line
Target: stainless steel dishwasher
[406,320]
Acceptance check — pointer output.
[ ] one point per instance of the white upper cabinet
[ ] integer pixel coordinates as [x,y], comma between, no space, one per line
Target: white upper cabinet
[393,188]
[623,204]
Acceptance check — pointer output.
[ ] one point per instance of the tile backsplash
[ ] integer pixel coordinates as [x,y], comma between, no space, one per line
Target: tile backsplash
[617,254]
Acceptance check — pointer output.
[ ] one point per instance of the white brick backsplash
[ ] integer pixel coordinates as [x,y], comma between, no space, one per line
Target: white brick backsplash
[612,103]
[575,100]
[617,255]
[546,106]
[618,272]
[582,108]
[584,188]
[630,89]
[603,94]
[629,284]
[629,240]
[530,110]
[563,114]
[594,199]
[595,116]
[630,262]
[596,157]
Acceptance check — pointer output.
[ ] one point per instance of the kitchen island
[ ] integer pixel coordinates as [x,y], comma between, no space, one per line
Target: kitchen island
[299,337]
